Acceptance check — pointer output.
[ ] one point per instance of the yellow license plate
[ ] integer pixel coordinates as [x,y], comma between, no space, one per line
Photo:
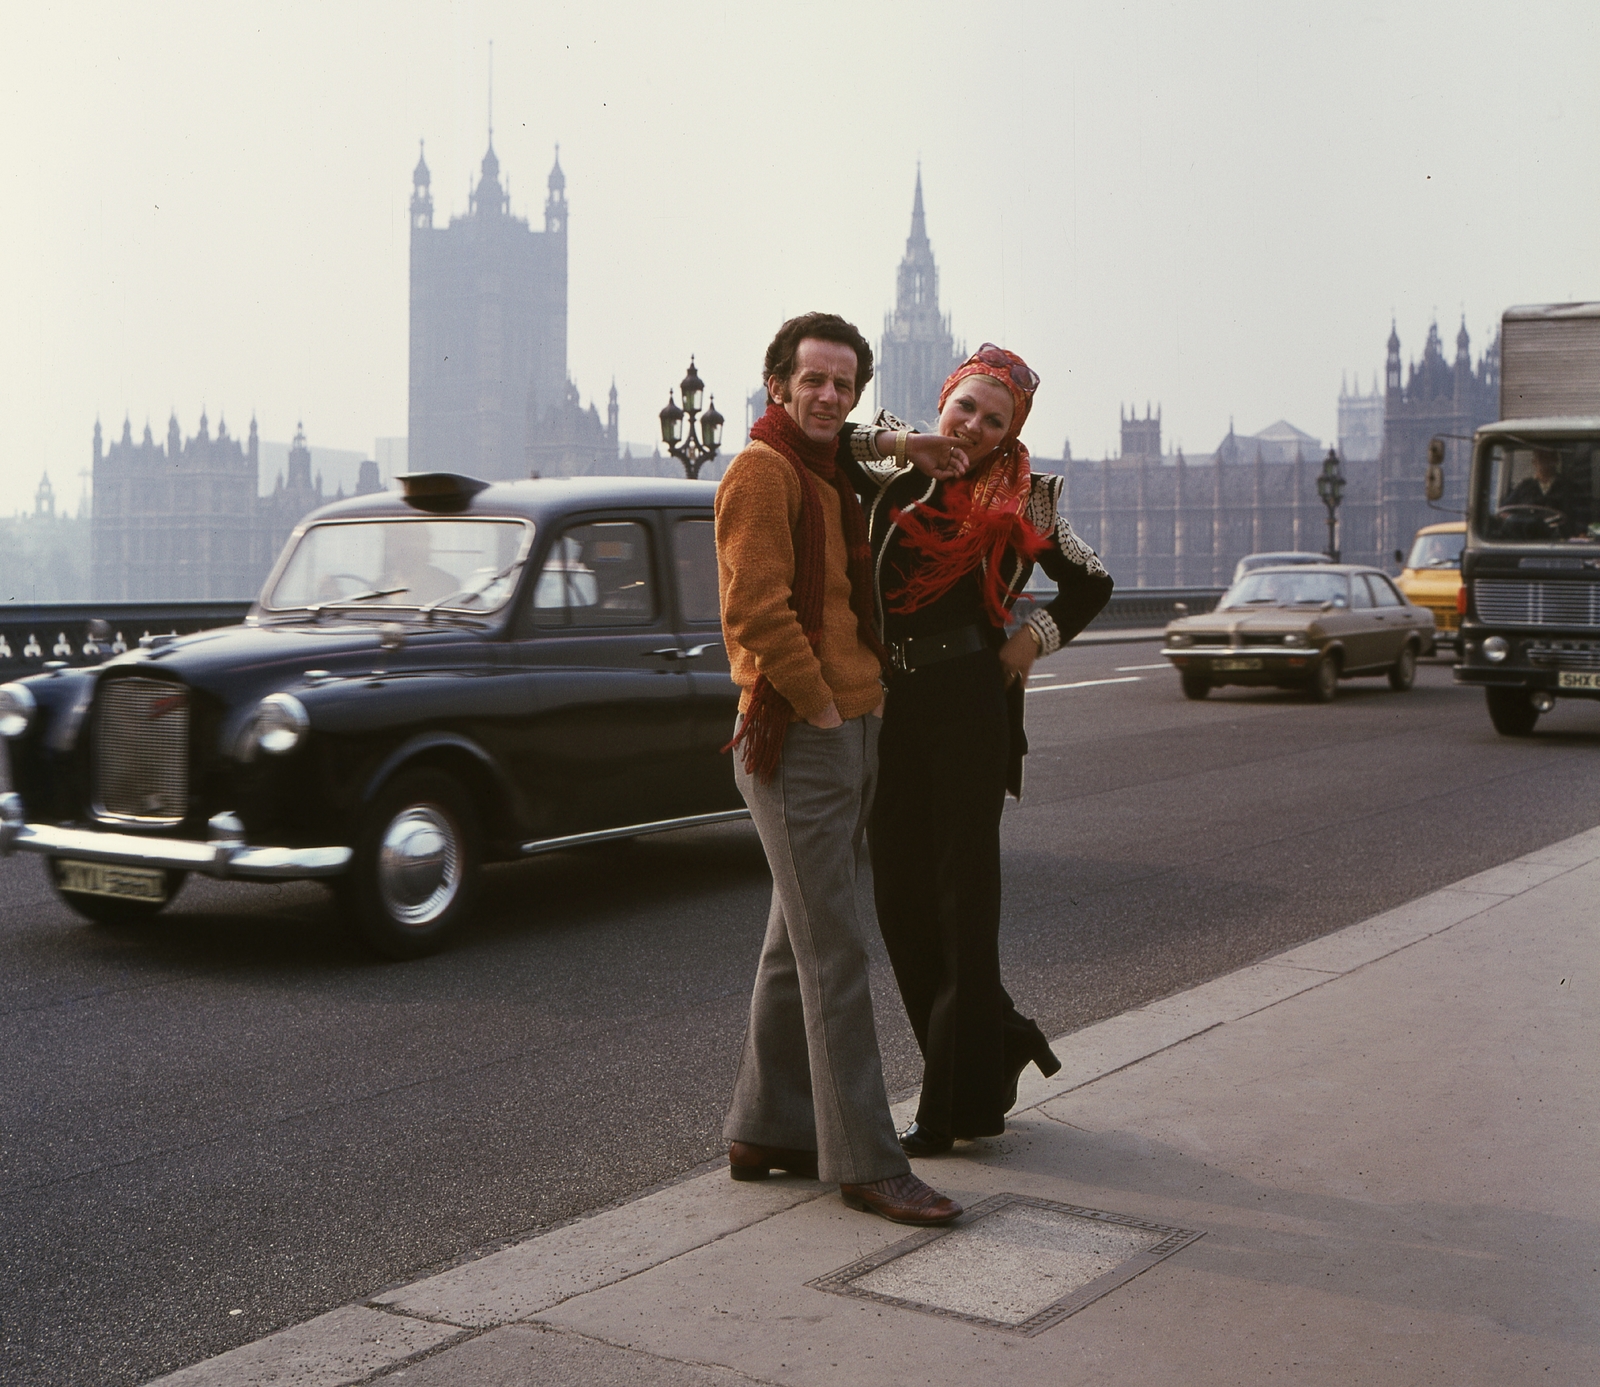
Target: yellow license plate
[1236,664]
[1573,679]
[110,879]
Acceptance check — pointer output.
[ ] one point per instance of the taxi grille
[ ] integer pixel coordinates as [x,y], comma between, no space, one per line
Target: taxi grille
[1503,602]
[141,768]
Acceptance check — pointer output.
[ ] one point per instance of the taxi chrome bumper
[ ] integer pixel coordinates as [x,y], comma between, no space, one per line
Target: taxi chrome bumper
[224,854]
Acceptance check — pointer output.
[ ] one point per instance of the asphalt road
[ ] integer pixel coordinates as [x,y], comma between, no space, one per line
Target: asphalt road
[233,1120]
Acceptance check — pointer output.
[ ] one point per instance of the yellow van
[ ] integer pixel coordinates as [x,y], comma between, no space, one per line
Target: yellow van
[1431,576]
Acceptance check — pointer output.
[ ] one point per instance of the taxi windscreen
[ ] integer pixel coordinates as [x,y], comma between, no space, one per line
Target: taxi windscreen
[467,565]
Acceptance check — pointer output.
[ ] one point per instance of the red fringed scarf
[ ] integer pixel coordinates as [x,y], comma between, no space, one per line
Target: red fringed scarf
[981,518]
[767,718]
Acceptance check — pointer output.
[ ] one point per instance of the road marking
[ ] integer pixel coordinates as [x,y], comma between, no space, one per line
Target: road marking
[1085,684]
[1122,669]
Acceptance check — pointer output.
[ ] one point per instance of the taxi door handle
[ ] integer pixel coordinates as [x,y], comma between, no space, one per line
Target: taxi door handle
[673,652]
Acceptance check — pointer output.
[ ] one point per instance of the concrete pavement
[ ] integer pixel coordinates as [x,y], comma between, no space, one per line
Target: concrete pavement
[1385,1141]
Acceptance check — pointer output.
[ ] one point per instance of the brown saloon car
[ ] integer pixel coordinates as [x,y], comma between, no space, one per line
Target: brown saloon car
[1305,627]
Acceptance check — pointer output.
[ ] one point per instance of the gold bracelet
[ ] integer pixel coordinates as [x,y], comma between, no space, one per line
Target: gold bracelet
[900,447]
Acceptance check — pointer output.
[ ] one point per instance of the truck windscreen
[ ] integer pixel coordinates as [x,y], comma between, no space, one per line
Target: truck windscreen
[1538,490]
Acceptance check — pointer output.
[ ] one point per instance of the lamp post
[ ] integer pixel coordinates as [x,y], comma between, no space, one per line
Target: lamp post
[1330,487]
[698,444]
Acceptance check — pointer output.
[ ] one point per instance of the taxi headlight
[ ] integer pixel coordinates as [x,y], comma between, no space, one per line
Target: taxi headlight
[1179,638]
[16,709]
[1496,648]
[1295,638]
[281,721]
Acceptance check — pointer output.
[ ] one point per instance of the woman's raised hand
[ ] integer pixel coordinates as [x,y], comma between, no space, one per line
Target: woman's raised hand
[936,455]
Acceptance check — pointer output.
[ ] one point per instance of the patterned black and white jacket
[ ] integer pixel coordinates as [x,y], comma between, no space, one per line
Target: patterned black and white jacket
[1084,586]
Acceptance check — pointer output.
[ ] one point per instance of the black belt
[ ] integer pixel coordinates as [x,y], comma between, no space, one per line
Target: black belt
[917,651]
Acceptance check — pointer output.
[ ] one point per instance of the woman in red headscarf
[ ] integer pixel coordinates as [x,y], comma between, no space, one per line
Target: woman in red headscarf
[951,557]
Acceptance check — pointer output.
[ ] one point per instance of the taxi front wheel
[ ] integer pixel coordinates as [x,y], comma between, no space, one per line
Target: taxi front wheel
[414,874]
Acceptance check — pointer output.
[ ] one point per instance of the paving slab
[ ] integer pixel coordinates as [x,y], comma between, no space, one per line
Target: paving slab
[345,1345]
[522,1355]
[517,1282]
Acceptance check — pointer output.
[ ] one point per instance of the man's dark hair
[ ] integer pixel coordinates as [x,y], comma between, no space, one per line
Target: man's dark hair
[825,327]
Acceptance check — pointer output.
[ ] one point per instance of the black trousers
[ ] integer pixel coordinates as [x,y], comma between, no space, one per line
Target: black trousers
[935,841]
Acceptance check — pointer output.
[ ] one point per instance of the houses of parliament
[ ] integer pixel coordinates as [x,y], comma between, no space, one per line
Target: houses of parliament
[490,395]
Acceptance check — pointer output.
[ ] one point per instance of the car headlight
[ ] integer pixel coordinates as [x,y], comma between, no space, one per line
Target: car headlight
[1179,638]
[1496,648]
[281,721]
[1295,638]
[16,709]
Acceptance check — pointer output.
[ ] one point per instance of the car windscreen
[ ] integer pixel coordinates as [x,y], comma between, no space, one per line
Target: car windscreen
[1437,551]
[1537,490]
[465,565]
[1287,589]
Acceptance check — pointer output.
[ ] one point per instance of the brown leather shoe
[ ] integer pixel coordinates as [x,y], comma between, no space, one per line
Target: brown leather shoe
[747,1161]
[902,1199]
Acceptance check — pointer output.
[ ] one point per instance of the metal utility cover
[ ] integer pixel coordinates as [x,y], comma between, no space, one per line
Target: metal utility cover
[1014,1262]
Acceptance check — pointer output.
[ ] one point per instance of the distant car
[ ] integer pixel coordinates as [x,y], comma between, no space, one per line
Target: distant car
[459,674]
[1431,574]
[1304,627]
[1281,559]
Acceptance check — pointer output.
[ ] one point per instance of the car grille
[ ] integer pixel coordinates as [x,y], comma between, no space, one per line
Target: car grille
[141,743]
[1565,654]
[1503,602]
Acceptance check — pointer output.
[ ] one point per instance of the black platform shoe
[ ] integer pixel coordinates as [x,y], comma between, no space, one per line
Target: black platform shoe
[1042,1055]
[916,1141]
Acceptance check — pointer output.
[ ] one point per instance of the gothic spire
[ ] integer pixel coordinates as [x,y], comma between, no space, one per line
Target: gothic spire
[555,206]
[918,239]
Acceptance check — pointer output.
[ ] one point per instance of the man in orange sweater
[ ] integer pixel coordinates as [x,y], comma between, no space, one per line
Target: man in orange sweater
[796,588]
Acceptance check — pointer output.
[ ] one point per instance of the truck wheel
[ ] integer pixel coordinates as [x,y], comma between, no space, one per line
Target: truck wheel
[1194,686]
[1511,711]
[1324,682]
[414,874]
[114,910]
[1403,673]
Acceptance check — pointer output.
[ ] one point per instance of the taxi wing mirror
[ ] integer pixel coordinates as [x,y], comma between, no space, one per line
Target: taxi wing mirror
[1400,557]
[1433,483]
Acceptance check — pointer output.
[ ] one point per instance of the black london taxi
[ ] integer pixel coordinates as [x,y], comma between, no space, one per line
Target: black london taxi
[433,678]
[1305,627]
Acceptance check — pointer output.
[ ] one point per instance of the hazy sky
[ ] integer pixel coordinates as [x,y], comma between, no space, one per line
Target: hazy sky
[1213,207]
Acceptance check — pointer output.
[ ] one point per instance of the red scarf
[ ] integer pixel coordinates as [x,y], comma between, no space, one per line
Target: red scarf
[767,718]
[981,517]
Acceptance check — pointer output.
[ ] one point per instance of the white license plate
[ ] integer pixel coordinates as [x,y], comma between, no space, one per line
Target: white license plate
[109,879]
[1236,664]
[1573,679]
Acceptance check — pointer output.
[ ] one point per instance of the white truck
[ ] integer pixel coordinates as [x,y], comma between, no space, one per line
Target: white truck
[1530,627]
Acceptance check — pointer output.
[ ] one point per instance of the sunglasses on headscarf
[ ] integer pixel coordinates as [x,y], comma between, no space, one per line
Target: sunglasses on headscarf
[1022,375]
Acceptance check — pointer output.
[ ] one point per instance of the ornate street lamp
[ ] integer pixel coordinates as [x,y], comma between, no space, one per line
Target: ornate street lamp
[698,444]
[1330,487]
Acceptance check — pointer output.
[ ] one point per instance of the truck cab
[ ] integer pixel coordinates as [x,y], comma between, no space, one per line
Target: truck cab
[1530,631]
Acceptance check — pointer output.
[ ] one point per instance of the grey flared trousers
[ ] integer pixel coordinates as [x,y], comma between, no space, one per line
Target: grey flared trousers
[810,1076]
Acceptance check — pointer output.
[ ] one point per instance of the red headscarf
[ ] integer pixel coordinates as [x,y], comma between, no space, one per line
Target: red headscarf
[982,512]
